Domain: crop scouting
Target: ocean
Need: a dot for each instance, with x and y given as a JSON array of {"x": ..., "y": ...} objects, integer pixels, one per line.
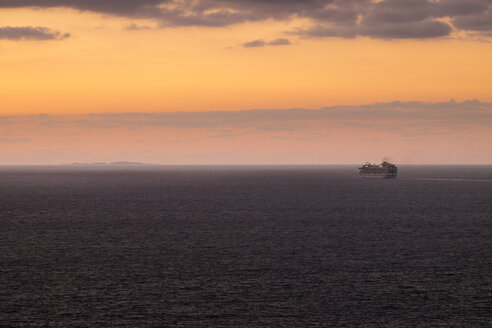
[{"x": 245, "y": 246}]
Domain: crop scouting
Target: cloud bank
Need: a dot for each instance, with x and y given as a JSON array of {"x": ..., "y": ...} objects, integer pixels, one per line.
[
  {"x": 30, "y": 33},
  {"x": 408, "y": 132},
  {"x": 444, "y": 114},
  {"x": 387, "y": 19}
]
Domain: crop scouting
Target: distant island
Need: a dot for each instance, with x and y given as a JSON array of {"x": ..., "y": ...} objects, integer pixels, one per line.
[
  {"x": 106, "y": 164},
  {"x": 126, "y": 163}
]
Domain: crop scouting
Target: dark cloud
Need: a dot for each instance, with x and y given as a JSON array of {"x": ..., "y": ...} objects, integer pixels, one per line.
[
  {"x": 388, "y": 19},
  {"x": 30, "y": 33},
  {"x": 409, "y": 30},
  {"x": 481, "y": 21},
  {"x": 116, "y": 7},
  {"x": 404, "y": 19},
  {"x": 462, "y": 7},
  {"x": 399, "y": 11}
]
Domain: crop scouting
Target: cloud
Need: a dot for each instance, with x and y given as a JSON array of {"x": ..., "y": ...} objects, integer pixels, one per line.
[
  {"x": 254, "y": 44},
  {"x": 13, "y": 140},
  {"x": 262, "y": 43},
  {"x": 279, "y": 42},
  {"x": 30, "y": 33},
  {"x": 135, "y": 27},
  {"x": 387, "y": 19}
]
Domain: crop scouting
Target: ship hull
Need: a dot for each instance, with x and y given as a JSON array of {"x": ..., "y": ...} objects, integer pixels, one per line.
[{"x": 377, "y": 176}]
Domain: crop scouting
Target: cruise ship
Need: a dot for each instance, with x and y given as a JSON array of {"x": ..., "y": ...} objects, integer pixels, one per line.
[{"x": 381, "y": 171}]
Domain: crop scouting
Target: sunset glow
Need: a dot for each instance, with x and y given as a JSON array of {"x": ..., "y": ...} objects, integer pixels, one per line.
[{"x": 70, "y": 59}]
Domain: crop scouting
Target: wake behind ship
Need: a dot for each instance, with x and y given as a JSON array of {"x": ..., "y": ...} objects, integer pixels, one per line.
[{"x": 381, "y": 171}]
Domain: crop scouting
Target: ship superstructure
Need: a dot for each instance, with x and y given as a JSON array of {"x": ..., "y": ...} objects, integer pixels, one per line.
[{"x": 381, "y": 171}]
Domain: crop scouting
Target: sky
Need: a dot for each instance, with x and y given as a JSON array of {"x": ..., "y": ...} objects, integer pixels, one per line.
[{"x": 246, "y": 81}]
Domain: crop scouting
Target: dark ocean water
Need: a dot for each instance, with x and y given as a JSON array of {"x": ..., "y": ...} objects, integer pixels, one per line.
[{"x": 245, "y": 247}]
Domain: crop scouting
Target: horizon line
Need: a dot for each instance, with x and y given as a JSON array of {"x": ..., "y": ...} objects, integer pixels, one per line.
[{"x": 103, "y": 164}]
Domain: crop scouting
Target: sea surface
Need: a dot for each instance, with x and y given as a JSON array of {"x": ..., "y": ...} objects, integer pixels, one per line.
[{"x": 245, "y": 246}]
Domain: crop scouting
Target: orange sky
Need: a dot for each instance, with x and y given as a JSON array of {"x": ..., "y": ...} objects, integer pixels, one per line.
[{"x": 103, "y": 67}]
